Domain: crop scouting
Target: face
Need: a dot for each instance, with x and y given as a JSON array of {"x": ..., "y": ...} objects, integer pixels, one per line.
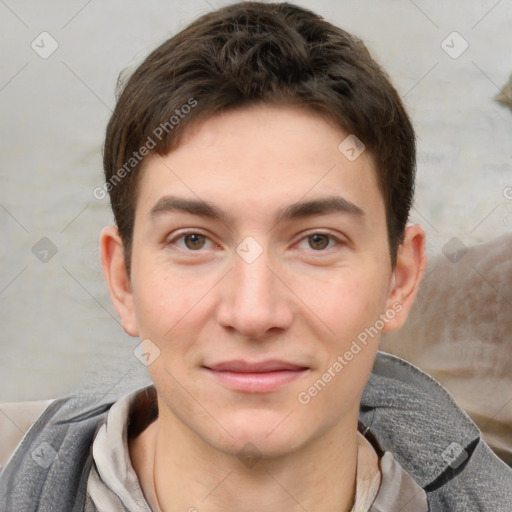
[{"x": 258, "y": 241}]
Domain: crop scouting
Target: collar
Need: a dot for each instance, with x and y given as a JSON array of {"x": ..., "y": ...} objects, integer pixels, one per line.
[
  {"x": 382, "y": 484},
  {"x": 416, "y": 419}
]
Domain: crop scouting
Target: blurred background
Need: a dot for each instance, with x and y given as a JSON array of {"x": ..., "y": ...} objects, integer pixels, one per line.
[{"x": 58, "y": 69}]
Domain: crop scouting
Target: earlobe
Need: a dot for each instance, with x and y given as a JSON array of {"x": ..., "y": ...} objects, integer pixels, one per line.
[
  {"x": 407, "y": 276},
  {"x": 117, "y": 279}
]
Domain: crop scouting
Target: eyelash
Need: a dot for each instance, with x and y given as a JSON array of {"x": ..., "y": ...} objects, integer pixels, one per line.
[{"x": 331, "y": 237}]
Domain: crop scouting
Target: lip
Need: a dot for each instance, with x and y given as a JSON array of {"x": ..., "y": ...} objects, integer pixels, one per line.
[
  {"x": 242, "y": 366},
  {"x": 256, "y": 377}
]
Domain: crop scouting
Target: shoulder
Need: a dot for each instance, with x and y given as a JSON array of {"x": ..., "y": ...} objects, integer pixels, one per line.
[
  {"x": 416, "y": 419},
  {"x": 54, "y": 455}
]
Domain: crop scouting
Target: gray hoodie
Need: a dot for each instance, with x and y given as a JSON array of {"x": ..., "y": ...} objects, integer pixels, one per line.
[{"x": 402, "y": 409}]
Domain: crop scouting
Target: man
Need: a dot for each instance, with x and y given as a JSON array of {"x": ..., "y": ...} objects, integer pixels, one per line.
[{"x": 261, "y": 169}]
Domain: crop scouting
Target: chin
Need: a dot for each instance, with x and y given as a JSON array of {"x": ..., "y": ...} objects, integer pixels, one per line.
[{"x": 267, "y": 433}]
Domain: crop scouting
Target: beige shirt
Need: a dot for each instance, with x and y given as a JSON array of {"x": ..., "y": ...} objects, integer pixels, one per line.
[{"x": 381, "y": 485}]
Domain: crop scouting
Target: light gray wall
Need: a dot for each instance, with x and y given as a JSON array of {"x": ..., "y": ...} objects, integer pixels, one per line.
[{"x": 58, "y": 328}]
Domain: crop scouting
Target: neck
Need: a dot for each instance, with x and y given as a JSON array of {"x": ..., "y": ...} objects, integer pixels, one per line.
[{"x": 179, "y": 472}]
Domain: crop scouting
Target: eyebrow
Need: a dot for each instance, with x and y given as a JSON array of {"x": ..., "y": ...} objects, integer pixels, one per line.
[
  {"x": 300, "y": 209},
  {"x": 322, "y": 206},
  {"x": 169, "y": 204}
]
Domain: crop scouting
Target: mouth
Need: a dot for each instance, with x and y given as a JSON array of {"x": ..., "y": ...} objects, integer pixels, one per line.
[{"x": 260, "y": 377}]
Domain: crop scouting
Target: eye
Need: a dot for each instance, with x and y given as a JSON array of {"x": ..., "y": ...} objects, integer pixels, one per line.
[
  {"x": 192, "y": 241},
  {"x": 319, "y": 241}
]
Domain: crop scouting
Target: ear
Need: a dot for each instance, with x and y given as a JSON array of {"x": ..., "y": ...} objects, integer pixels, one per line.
[
  {"x": 116, "y": 276},
  {"x": 407, "y": 275}
]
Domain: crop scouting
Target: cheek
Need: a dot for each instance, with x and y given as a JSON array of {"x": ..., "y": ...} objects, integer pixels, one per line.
[
  {"x": 344, "y": 301},
  {"x": 349, "y": 307},
  {"x": 161, "y": 299},
  {"x": 171, "y": 306}
]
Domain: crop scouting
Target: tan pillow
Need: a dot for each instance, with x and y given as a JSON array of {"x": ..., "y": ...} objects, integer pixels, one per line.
[
  {"x": 460, "y": 332},
  {"x": 15, "y": 420}
]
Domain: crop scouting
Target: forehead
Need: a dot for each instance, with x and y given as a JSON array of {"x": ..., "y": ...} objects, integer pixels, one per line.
[{"x": 261, "y": 158}]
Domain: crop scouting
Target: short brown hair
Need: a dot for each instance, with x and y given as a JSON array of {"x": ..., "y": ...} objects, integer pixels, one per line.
[{"x": 252, "y": 52}]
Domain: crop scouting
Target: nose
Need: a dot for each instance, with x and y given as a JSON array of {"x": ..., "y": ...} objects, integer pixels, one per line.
[{"x": 255, "y": 299}]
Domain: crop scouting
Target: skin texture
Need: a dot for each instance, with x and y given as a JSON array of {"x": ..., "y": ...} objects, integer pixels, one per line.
[{"x": 302, "y": 299}]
